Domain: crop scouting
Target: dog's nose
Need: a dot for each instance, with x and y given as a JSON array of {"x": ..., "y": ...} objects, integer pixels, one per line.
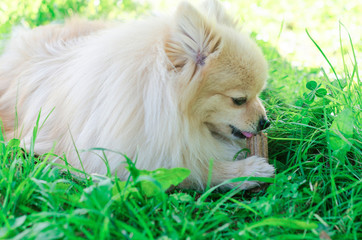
[{"x": 263, "y": 124}]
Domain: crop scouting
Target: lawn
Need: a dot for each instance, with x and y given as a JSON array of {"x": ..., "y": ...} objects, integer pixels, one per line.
[{"x": 315, "y": 143}]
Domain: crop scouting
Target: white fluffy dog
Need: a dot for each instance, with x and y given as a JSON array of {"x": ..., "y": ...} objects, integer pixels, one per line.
[{"x": 172, "y": 91}]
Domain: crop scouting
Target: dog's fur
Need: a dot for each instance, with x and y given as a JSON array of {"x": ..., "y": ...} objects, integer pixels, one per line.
[{"x": 158, "y": 90}]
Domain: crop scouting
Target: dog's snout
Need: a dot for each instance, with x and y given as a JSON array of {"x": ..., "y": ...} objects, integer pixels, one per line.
[{"x": 263, "y": 124}]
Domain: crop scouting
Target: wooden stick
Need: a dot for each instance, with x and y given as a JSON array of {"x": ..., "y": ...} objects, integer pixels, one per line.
[{"x": 258, "y": 145}]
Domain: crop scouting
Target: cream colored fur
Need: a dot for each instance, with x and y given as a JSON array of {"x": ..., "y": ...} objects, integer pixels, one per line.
[{"x": 158, "y": 90}]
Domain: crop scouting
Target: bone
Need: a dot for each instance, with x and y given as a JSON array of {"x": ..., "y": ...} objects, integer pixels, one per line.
[{"x": 258, "y": 145}]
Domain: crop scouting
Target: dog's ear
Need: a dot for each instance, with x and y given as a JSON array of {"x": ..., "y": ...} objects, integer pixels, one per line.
[
  {"x": 194, "y": 40},
  {"x": 215, "y": 9}
]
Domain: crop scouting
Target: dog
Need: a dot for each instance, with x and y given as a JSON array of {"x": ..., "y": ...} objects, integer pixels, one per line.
[{"x": 167, "y": 91}]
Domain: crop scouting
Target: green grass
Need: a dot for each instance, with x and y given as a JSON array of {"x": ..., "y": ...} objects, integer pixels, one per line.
[{"x": 315, "y": 143}]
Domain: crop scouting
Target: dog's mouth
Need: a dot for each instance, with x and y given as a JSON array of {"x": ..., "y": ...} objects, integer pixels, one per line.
[{"x": 240, "y": 134}]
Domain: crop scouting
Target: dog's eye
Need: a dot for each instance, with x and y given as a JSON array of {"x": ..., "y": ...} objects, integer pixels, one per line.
[{"x": 239, "y": 101}]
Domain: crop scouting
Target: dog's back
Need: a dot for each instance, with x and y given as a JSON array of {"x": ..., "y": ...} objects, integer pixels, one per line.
[
  {"x": 29, "y": 46},
  {"x": 78, "y": 74}
]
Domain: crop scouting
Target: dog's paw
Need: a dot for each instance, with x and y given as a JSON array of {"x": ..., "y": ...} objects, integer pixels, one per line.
[{"x": 256, "y": 167}]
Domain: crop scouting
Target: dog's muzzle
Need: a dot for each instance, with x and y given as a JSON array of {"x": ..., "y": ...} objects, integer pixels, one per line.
[
  {"x": 262, "y": 124},
  {"x": 238, "y": 133}
]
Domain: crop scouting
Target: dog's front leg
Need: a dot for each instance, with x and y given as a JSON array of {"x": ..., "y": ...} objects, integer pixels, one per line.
[{"x": 252, "y": 166}]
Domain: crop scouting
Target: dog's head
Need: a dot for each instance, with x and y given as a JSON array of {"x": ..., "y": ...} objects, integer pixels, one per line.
[{"x": 221, "y": 71}]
